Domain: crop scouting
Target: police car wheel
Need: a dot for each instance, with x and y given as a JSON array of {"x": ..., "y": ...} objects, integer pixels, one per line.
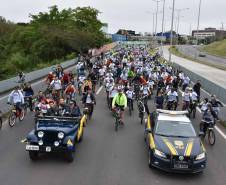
[{"x": 150, "y": 158}]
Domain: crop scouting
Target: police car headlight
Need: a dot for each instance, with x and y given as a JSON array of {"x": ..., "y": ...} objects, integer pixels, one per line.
[
  {"x": 40, "y": 143},
  {"x": 56, "y": 143},
  {"x": 60, "y": 135},
  {"x": 159, "y": 153},
  {"x": 40, "y": 134},
  {"x": 200, "y": 156}
]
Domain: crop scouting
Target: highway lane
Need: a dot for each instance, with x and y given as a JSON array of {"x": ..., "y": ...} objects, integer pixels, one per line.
[
  {"x": 212, "y": 74},
  {"x": 194, "y": 51},
  {"x": 103, "y": 158}
]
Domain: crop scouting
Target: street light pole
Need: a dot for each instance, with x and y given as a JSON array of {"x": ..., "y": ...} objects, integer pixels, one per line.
[
  {"x": 163, "y": 20},
  {"x": 171, "y": 32},
  {"x": 200, "y": 2},
  {"x": 156, "y": 18}
]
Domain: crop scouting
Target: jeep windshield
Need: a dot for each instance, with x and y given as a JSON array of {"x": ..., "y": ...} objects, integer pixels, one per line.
[
  {"x": 174, "y": 129},
  {"x": 56, "y": 123}
]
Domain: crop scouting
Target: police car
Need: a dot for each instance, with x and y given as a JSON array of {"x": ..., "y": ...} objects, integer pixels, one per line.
[{"x": 173, "y": 144}]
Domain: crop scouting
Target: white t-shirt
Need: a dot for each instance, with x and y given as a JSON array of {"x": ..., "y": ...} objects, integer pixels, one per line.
[
  {"x": 172, "y": 96},
  {"x": 130, "y": 94}
]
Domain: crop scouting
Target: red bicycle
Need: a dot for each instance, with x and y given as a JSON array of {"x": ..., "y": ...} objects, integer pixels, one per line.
[{"x": 14, "y": 114}]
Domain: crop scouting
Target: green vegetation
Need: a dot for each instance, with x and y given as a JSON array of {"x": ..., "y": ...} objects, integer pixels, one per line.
[
  {"x": 217, "y": 48},
  {"x": 49, "y": 38}
]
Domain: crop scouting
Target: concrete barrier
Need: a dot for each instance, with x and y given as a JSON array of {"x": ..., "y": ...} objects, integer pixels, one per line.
[{"x": 9, "y": 84}]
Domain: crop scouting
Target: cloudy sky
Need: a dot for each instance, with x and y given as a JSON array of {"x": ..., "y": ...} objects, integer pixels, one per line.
[{"x": 126, "y": 14}]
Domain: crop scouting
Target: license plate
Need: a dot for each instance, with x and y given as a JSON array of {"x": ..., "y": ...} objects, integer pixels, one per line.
[
  {"x": 48, "y": 149},
  {"x": 181, "y": 166},
  {"x": 32, "y": 147}
]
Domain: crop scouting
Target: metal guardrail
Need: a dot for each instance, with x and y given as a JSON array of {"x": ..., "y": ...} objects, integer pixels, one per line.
[
  {"x": 9, "y": 84},
  {"x": 209, "y": 86}
]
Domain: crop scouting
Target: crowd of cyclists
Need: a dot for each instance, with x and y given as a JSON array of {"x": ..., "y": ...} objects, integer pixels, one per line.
[{"x": 129, "y": 74}]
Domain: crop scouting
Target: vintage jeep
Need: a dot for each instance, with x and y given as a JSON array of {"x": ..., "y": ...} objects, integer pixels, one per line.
[{"x": 55, "y": 134}]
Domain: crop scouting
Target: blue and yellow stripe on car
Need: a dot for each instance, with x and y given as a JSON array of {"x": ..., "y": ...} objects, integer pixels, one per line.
[
  {"x": 170, "y": 146},
  {"x": 188, "y": 149},
  {"x": 80, "y": 129},
  {"x": 152, "y": 142}
]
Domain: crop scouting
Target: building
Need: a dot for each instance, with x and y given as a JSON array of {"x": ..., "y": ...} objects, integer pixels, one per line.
[
  {"x": 166, "y": 35},
  {"x": 209, "y": 32},
  {"x": 119, "y": 38},
  {"x": 127, "y": 32}
]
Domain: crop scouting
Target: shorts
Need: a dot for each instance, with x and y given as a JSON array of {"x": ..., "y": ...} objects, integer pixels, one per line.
[{"x": 120, "y": 106}]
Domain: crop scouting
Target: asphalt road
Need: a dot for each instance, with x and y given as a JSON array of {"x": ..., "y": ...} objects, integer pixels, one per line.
[
  {"x": 193, "y": 51},
  {"x": 103, "y": 158}
]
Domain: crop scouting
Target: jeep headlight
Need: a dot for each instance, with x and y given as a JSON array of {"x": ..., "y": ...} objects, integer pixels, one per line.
[
  {"x": 40, "y": 134},
  {"x": 200, "y": 156},
  {"x": 60, "y": 135},
  {"x": 159, "y": 153}
]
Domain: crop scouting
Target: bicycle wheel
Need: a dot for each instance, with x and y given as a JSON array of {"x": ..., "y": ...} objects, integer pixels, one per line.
[
  {"x": 141, "y": 118},
  {"x": 22, "y": 114},
  {"x": 12, "y": 119},
  {"x": 211, "y": 137},
  {"x": 116, "y": 125},
  {"x": 130, "y": 109}
]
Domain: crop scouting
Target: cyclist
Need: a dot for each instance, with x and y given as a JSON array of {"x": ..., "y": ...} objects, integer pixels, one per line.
[
  {"x": 120, "y": 101},
  {"x": 87, "y": 85},
  {"x": 216, "y": 105},
  {"x": 172, "y": 99},
  {"x": 89, "y": 100},
  {"x": 130, "y": 96},
  {"x": 186, "y": 98},
  {"x": 159, "y": 100},
  {"x": 70, "y": 91},
  {"x": 21, "y": 76},
  {"x": 16, "y": 98},
  {"x": 197, "y": 88},
  {"x": 28, "y": 94},
  {"x": 56, "y": 85}
]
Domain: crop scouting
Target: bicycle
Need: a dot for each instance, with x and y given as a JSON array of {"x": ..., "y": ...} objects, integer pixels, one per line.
[
  {"x": 130, "y": 105},
  {"x": 28, "y": 104},
  {"x": 14, "y": 114},
  {"x": 208, "y": 128},
  {"x": 117, "y": 115},
  {"x": 192, "y": 109},
  {"x": 141, "y": 108}
]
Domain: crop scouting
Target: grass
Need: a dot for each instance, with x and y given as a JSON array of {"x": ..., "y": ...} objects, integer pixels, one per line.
[
  {"x": 216, "y": 48},
  {"x": 176, "y": 52}
]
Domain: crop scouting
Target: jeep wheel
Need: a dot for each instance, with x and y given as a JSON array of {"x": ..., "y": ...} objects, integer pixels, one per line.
[
  {"x": 69, "y": 156},
  {"x": 33, "y": 155}
]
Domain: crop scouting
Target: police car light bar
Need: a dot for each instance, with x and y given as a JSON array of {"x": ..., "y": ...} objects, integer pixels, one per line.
[{"x": 172, "y": 112}]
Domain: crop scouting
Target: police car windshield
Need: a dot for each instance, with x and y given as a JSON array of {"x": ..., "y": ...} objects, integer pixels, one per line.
[{"x": 174, "y": 129}]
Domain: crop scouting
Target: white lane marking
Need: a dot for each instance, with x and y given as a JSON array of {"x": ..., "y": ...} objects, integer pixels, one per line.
[
  {"x": 220, "y": 132},
  {"x": 216, "y": 127},
  {"x": 99, "y": 90},
  {"x": 2, "y": 98}
]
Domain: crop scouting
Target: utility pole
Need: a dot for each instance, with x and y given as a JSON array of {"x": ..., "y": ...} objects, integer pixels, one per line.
[
  {"x": 200, "y": 2},
  {"x": 171, "y": 32},
  {"x": 163, "y": 20},
  {"x": 156, "y": 18}
]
